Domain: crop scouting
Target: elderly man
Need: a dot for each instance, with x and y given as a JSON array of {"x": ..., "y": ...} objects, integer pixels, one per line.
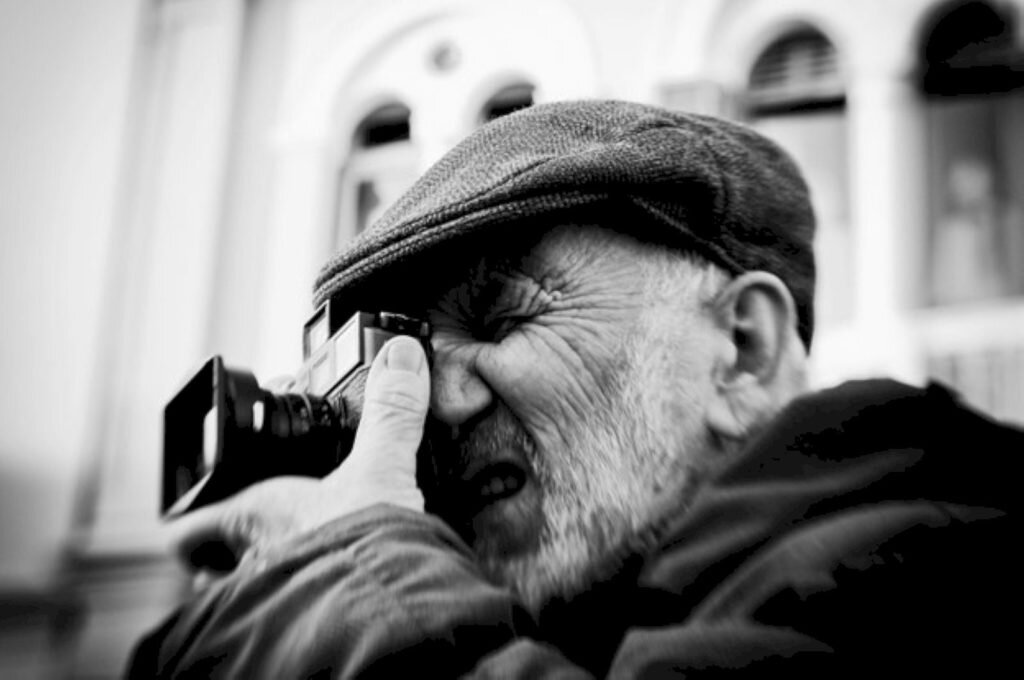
[{"x": 635, "y": 481}]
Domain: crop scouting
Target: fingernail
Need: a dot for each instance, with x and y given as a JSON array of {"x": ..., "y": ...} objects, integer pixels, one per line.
[{"x": 404, "y": 354}]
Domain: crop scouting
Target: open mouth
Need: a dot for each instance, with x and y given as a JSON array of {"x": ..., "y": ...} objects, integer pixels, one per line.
[{"x": 494, "y": 483}]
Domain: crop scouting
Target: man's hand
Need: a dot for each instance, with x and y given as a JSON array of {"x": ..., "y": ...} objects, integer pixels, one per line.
[{"x": 380, "y": 469}]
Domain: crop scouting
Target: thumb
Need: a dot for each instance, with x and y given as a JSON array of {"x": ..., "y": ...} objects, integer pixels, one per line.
[{"x": 395, "y": 406}]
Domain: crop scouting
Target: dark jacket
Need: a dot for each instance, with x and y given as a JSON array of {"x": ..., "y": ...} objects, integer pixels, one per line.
[{"x": 868, "y": 530}]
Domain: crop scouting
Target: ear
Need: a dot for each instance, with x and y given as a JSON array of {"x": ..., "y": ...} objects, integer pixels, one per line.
[{"x": 762, "y": 359}]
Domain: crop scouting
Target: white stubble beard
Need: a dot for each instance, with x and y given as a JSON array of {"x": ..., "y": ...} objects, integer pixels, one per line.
[{"x": 610, "y": 481}]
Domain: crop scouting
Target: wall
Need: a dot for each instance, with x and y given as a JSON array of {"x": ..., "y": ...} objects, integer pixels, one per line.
[{"x": 65, "y": 69}]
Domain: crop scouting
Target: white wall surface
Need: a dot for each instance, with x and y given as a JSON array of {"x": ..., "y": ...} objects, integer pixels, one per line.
[{"x": 65, "y": 70}]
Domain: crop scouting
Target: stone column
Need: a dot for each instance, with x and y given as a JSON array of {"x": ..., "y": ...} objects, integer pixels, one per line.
[
  {"x": 889, "y": 194},
  {"x": 166, "y": 248}
]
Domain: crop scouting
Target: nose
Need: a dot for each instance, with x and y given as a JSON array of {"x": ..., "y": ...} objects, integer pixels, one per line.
[{"x": 458, "y": 392}]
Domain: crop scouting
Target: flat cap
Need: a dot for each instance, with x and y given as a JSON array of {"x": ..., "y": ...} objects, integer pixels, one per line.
[{"x": 711, "y": 186}]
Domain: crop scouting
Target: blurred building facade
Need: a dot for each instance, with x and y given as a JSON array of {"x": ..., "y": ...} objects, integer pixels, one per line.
[{"x": 249, "y": 139}]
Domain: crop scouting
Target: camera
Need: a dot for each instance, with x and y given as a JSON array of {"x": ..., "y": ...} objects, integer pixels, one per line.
[{"x": 224, "y": 432}]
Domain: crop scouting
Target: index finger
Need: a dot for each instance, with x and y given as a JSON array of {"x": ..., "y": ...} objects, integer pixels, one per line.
[{"x": 213, "y": 537}]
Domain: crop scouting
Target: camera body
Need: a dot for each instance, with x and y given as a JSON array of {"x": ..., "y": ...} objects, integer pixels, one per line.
[{"x": 224, "y": 432}]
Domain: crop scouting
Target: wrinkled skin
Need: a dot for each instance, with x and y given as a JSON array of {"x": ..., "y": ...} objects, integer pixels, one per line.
[
  {"x": 586, "y": 385},
  {"x": 577, "y": 380}
]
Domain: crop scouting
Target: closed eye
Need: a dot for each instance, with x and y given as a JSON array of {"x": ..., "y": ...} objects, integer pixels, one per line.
[
  {"x": 493, "y": 305},
  {"x": 499, "y": 327}
]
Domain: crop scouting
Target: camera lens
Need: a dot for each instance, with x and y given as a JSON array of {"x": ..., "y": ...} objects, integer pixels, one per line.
[{"x": 301, "y": 435}]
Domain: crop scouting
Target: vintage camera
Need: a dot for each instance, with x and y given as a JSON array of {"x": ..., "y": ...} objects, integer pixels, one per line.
[{"x": 223, "y": 432}]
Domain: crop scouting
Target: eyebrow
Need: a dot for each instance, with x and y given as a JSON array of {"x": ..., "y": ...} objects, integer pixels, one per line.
[{"x": 522, "y": 291}]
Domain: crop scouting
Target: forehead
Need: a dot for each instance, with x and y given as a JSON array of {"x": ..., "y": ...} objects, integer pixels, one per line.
[{"x": 559, "y": 256}]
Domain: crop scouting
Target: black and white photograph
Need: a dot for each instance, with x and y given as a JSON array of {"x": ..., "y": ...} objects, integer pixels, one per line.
[{"x": 510, "y": 338}]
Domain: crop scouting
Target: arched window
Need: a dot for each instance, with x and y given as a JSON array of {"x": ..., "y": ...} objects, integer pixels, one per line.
[
  {"x": 972, "y": 79},
  {"x": 386, "y": 125},
  {"x": 797, "y": 72},
  {"x": 796, "y": 95},
  {"x": 380, "y": 166},
  {"x": 971, "y": 49},
  {"x": 506, "y": 101}
]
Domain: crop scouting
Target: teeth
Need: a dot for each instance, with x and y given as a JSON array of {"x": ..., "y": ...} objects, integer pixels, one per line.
[
  {"x": 496, "y": 486},
  {"x": 499, "y": 485}
]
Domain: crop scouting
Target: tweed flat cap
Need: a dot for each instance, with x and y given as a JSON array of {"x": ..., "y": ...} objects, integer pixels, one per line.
[{"x": 714, "y": 187}]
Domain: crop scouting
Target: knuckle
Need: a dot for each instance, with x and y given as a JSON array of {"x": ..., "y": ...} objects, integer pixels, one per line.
[
  {"x": 388, "y": 436},
  {"x": 401, "y": 400},
  {"x": 244, "y": 527}
]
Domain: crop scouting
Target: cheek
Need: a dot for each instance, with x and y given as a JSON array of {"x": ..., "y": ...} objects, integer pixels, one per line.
[
  {"x": 678, "y": 388},
  {"x": 544, "y": 383}
]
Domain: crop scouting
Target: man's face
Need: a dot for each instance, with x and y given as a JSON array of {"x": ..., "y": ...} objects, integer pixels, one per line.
[{"x": 575, "y": 390}]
